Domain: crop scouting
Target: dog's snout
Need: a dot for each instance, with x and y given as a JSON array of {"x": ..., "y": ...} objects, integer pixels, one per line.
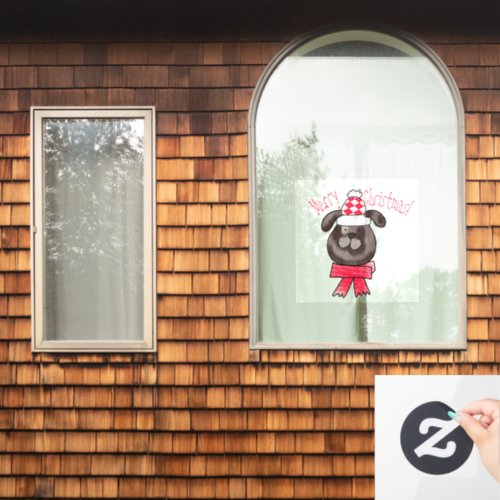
[{"x": 352, "y": 235}]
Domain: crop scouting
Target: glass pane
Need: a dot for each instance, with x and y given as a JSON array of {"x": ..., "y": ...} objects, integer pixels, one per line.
[
  {"x": 360, "y": 111},
  {"x": 93, "y": 230}
]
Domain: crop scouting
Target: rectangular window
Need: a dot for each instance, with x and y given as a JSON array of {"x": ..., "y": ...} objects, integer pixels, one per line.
[{"x": 93, "y": 272}]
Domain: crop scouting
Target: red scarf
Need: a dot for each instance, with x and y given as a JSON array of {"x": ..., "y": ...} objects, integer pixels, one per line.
[{"x": 358, "y": 274}]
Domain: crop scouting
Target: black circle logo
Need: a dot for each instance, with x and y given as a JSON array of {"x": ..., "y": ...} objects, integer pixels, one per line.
[{"x": 432, "y": 442}]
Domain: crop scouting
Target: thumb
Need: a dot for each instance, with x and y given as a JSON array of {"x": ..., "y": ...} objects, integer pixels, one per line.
[{"x": 471, "y": 426}]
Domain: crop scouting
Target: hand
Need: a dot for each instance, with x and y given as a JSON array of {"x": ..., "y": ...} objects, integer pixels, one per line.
[{"x": 485, "y": 432}]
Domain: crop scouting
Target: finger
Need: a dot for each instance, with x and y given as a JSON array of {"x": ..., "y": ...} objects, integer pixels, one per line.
[
  {"x": 471, "y": 426},
  {"x": 490, "y": 407},
  {"x": 485, "y": 421}
]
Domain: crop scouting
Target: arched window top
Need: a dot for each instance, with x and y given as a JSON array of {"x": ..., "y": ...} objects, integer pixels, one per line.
[
  {"x": 377, "y": 112},
  {"x": 354, "y": 78}
]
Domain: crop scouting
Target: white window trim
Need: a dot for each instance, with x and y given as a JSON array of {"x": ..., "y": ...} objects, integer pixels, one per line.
[{"x": 37, "y": 237}]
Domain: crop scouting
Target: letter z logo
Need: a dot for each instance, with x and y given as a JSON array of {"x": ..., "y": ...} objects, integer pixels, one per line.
[{"x": 432, "y": 442}]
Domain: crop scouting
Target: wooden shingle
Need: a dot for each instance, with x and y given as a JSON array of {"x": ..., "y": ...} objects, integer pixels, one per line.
[{"x": 55, "y": 76}]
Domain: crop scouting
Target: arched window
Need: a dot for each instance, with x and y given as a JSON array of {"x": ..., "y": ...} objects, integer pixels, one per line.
[{"x": 357, "y": 196}]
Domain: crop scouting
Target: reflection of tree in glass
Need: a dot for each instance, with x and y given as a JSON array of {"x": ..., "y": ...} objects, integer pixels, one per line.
[
  {"x": 89, "y": 167},
  {"x": 277, "y": 177},
  {"x": 93, "y": 177},
  {"x": 277, "y": 172}
]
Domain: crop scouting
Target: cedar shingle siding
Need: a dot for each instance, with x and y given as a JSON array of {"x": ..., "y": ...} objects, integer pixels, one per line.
[{"x": 201, "y": 419}]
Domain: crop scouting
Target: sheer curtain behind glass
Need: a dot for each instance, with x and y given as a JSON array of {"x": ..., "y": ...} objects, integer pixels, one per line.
[{"x": 93, "y": 231}]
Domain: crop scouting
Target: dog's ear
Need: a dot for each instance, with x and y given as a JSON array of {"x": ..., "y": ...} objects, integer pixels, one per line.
[
  {"x": 329, "y": 220},
  {"x": 376, "y": 217}
]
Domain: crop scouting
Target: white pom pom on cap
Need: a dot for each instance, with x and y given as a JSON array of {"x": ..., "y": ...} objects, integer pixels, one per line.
[{"x": 354, "y": 193}]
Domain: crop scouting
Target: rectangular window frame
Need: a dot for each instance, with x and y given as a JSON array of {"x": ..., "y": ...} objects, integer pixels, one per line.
[{"x": 39, "y": 344}]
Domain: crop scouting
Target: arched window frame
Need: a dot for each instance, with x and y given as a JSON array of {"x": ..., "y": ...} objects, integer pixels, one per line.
[{"x": 439, "y": 64}]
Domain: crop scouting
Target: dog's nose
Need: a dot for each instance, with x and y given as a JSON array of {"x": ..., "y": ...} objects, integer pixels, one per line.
[{"x": 351, "y": 235}]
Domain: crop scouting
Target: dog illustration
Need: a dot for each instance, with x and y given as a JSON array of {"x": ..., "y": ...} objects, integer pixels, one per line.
[{"x": 352, "y": 244}]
